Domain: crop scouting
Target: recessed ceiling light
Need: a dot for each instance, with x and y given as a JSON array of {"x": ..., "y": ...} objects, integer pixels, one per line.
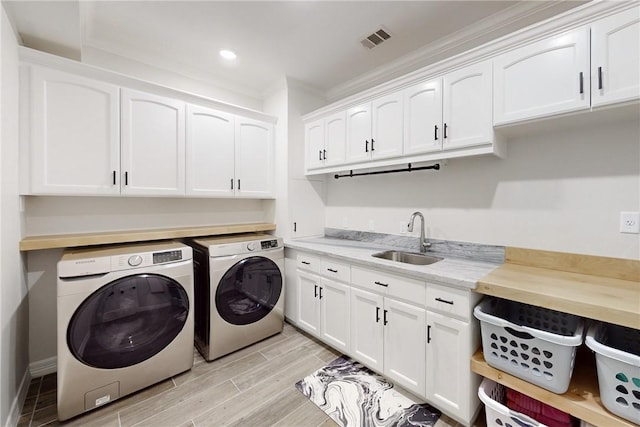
[{"x": 227, "y": 54}]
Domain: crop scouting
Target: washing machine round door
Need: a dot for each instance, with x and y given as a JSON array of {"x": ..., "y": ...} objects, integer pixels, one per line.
[
  {"x": 249, "y": 290},
  {"x": 128, "y": 321}
]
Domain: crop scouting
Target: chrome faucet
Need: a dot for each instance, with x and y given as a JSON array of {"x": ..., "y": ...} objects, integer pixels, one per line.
[{"x": 423, "y": 242}]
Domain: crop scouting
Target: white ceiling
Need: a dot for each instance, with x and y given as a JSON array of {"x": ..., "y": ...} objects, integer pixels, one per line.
[{"x": 314, "y": 42}]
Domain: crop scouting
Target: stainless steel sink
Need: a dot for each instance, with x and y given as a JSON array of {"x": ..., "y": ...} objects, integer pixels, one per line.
[{"x": 407, "y": 257}]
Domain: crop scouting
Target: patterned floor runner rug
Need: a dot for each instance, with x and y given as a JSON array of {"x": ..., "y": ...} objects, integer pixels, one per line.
[{"x": 355, "y": 396}]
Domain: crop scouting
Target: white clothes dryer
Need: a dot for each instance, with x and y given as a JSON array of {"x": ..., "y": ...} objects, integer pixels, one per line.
[
  {"x": 239, "y": 291},
  {"x": 125, "y": 321}
]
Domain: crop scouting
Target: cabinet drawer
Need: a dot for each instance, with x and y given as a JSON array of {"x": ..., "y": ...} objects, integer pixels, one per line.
[
  {"x": 392, "y": 285},
  {"x": 335, "y": 270},
  {"x": 453, "y": 301},
  {"x": 308, "y": 262}
]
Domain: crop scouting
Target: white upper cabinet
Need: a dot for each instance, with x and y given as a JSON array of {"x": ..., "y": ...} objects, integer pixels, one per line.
[
  {"x": 467, "y": 107},
  {"x": 359, "y": 133},
  {"x": 335, "y": 136},
  {"x": 314, "y": 144},
  {"x": 74, "y": 135},
  {"x": 153, "y": 144},
  {"x": 210, "y": 152},
  {"x": 542, "y": 79},
  {"x": 253, "y": 158},
  {"x": 375, "y": 130},
  {"x": 615, "y": 58},
  {"x": 423, "y": 117},
  {"x": 387, "y": 126},
  {"x": 326, "y": 141}
]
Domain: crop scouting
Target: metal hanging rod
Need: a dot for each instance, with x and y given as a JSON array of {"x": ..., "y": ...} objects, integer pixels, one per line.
[{"x": 407, "y": 169}]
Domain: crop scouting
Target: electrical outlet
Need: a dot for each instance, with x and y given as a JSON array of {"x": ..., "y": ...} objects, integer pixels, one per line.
[
  {"x": 630, "y": 222},
  {"x": 345, "y": 222},
  {"x": 372, "y": 225},
  {"x": 403, "y": 227}
]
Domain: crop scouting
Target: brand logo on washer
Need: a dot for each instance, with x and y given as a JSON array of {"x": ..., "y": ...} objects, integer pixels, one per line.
[{"x": 86, "y": 261}]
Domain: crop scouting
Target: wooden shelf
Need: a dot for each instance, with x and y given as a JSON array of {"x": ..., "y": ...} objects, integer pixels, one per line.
[
  {"x": 582, "y": 400},
  {"x": 32, "y": 243}
]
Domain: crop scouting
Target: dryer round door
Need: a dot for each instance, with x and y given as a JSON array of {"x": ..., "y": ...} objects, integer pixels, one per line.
[
  {"x": 128, "y": 321},
  {"x": 249, "y": 290}
]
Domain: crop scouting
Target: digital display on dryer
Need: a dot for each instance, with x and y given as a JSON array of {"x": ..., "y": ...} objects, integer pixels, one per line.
[
  {"x": 169, "y": 256},
  {"x": 268, "y": 244}
]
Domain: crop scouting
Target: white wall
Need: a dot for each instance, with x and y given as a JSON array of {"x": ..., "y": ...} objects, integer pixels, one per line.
[
  {"x": 14, "y": 312},
  {"x": 276, "y": 104},
  {"x": 559, "y": 190}
]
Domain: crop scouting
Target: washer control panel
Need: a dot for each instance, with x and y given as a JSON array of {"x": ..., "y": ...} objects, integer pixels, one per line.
[
  {"x": 169, "y": 256},
  {"x": 269, "y": 244}
]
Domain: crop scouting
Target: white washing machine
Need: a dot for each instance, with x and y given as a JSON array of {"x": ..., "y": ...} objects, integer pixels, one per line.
[
  {"x": 239, "y": 291},
  {"x": 125, "y": 321}
]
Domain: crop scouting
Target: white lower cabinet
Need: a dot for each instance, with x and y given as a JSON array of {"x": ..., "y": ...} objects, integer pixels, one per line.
[
  {"x": 404, "y": 348},
  {"x": 388, "y": 336},
  {"x": 308, "y": 303},
  {"x": 366, "y": 328},
  {"x": 334, "y": 314},
  {"x": 323, "y": 304},
  {"x": 447, "y": 383},
  {"x": 419, "y": 335}
]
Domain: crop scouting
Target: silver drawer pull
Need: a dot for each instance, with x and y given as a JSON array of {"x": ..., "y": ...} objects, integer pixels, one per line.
[
  {"x": 305, "y": 262},
  {"x": 332, "y": 270},
  {"x": 444, "y": 301},
  {"x": 382, "y": 284}
]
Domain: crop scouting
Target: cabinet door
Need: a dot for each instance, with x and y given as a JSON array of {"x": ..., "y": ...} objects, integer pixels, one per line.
[
  {"x": 423, "y": 117},
  {"x": 306, "y": 207},
  {"x": 467, "y": 107},
  {"x": 254, "y": 158},
  {"x": 335, "y": 314},
  {"x": 544, "y": 78},
  {"x": 335, "y": 139},
  {"x": 448, "y": 372},
  {"x": 314, "y": 140},
  {"x": 75, "y": 140},
  {"x": 615, "y": 58},
  {"x": 359, "y": 133},
  {"x": 366, "y": 328},
  {"x": 308, "y": 302},
  {"x": 153, "y": 144},
  {"x": 404, "y": 345},
  {"x": 210, "y": 152},
  {"x": 387, "y": 126}
]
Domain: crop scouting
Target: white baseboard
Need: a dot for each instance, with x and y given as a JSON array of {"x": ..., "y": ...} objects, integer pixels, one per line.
[
  {"x": 43, "y": 367},
  {"x": 18, "y": 402}
]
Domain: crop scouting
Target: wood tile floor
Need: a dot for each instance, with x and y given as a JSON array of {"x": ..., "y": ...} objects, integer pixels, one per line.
[{"x": 251, "y": 387}]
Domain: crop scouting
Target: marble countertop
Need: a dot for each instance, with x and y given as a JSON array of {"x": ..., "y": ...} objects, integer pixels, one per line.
[{"x": 459, "y": 272}]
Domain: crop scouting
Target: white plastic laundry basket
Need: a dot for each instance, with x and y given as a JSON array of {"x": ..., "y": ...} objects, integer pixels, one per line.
[
  {"x": 532, "y": 343},
  {"x": 493, "y": 395},
  {"x": 618, "y": 362}
]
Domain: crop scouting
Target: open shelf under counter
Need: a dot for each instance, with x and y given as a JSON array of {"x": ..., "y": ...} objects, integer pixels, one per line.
[
  {"x": 53, "y": 241},
  {"x": 582, "y": 400},
  {"x": 593, "y": 287}
]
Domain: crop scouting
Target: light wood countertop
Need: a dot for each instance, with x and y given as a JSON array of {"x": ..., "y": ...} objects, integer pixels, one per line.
[
  {"x": 32, "y": 243},
  {"x": 599, "y": 288}
]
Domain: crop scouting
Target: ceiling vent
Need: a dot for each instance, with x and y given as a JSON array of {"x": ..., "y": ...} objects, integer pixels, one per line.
[{"x": 376, "y": 38}]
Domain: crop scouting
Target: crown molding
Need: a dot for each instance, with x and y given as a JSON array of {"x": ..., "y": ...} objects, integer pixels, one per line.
[{"x": 573, "y": 18}]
